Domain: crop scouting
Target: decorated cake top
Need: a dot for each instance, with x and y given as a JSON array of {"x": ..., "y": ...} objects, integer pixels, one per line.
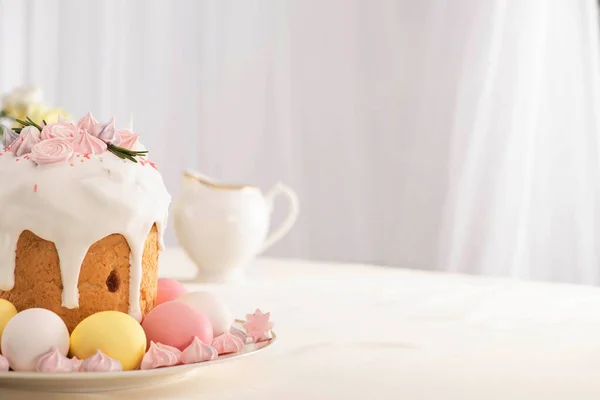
[
  {"x": 58, "y": 143},
  {"x": 74, "y": 184}
]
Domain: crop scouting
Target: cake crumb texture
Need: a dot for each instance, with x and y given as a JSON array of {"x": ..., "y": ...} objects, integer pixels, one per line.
[{"x": 103, "y": 280}]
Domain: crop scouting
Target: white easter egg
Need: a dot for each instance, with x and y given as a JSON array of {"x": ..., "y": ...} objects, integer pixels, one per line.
[
  {"x": 213, "y": 307},
  {"x": 30, "y": 334}
]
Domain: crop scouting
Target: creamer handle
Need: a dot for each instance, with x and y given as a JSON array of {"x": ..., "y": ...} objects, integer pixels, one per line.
[{"x": 288, "y": 222}]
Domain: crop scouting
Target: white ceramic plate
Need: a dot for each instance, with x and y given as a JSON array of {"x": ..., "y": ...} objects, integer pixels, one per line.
[{"x": 107, "y": 381}]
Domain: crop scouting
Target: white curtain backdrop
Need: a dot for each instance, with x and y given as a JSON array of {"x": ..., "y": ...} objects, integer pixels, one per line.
[{"x": 454, "y": 135}]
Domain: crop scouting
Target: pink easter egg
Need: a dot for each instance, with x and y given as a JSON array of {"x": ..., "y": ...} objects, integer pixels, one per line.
[
  {"x": 175, "y": 324},
  {"x": 169, "y": 289}
]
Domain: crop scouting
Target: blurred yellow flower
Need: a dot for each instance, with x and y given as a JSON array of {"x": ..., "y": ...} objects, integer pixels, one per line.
[{"x": 27, "y": 102}]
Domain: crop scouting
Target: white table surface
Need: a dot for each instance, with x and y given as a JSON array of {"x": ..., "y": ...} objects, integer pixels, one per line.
[{"x": 365, "y": 332}]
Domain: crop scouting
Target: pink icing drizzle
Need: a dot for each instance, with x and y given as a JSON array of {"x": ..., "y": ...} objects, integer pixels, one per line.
[
  {"x": 29, "y": 137},
  {"x": 159, "y": 356},
  {"x": 198, "y": 351},
  {"x": 100, "y": 362},
  {"x": 85, "y": 143},
  {"x": 227, "y": 343},
  {"x": 53, "y": 361},
  {"x": 51, "y": 151},
  {"x": 3, "y": 364}
]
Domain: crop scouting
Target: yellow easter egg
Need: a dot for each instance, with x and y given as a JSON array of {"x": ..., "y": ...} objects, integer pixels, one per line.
[
  {"x": 7, "y": 311},
  {"x": 116, "y": 334}
]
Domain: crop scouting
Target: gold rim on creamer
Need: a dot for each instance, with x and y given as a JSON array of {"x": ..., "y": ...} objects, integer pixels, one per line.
[{"x": 215, "y": 185}]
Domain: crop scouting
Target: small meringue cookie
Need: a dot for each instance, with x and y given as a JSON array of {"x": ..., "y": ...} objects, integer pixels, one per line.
[
  {"x": 3, "y": 364},
  {"x": 87, "y": 122},
  {"x": 198, "y": 351},
  {"x": 53, "y": 361},
  {"x": 129, "y": 140},
  {"x": 85, "y": 143},
  {"x": 175, "y": 350},
  {"x": 100, "y": 362},
  {"x": 9, "y": 137},
  {"x": 159, "y": 356},
  {"x": 107, "y": 132},
  {"x": 76, "y": 364},
  {"x": 227, "y": 343},
  {"x": 239, "y": 333},
  {"x": 29, "y": 137}
]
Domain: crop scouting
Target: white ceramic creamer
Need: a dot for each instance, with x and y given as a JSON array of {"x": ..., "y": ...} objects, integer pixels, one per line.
[{"x": 223, "y": 227}]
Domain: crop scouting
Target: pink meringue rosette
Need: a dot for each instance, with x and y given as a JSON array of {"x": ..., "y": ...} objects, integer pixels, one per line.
[
  {"x": 227, "y": 343},
  {"x": 198, "y": 351},
  {"x": 100, "y": 362},
  {"x": 85, "y": 143},
  {"x": 52, "y": 151},
  {"x": 29, "y": 137},
  {"x": 159, "y": 355},
  {"x": 54, "y": 361},
  {"x": 4, "y": 367},
  {"x": 63, "y": 129}
]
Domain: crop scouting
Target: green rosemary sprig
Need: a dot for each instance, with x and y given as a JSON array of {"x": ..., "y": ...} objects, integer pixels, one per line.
[
  {"x": 28, "y": 122},
  {"x": 124, "y": 153}
]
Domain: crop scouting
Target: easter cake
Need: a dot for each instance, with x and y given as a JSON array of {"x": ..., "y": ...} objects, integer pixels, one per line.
[{"x": 83, "y": 215}]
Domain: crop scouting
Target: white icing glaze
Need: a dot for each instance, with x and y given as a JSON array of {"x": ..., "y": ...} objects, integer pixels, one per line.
[{"x": 75, "y": 204}]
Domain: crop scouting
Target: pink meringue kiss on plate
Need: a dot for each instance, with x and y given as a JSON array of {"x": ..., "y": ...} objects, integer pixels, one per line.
[
  {"x": 258, "y": 326},
  {"x": 160, "y": 356},
  {"x": 227, "y": 343},
  {"x": 239, "y": 333},
  {"x": 3, "y": 364},
  {"x": 76, "y": 364},
  {"x": 52, "y": 151},
  {"x": 54, "y": 361},
  {"x": 198, "y": 351},
  {"x": 100, "y": 362}
]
